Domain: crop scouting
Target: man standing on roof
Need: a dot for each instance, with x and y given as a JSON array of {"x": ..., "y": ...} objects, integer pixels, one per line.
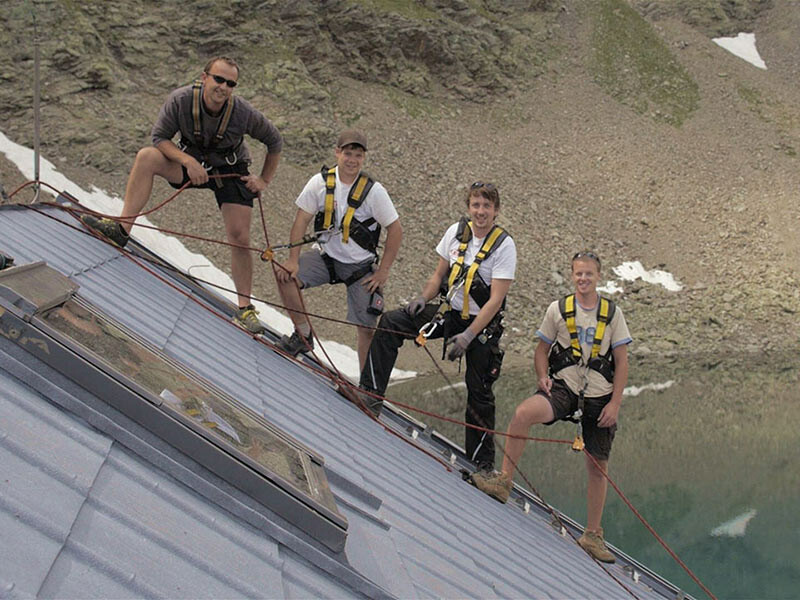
[
  {"x": 348, "y": 210},
  {"x": 581, "y": 364},
  {"x": 477, "y": 263},
  {"x": 212, "y": 123}
]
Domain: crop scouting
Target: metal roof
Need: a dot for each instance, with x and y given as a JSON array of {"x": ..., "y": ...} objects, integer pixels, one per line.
[{"x": 96, "y": 507}]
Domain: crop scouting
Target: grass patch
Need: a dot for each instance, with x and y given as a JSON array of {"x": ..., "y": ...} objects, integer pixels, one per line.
[
  {"x": 636, "y": 67},
  {"x": 414, "y": 106},
  {"x": 750, "y": 95}
]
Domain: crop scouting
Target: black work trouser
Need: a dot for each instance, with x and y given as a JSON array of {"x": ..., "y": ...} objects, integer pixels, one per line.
[{"x": 483, "y": 368}]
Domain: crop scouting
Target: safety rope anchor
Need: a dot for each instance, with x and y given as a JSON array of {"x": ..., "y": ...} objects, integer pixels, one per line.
[
  {"x": 577, "y": 443},
  {"x": 268, "y": 254}
]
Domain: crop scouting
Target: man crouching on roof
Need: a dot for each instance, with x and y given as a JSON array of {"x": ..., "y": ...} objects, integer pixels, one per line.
[
  {"x": 581, "y": 366},
  {"x": 347, "y": 209},
  {"x": 477, "y": 262},
  {"x": 212, "y": 123}
]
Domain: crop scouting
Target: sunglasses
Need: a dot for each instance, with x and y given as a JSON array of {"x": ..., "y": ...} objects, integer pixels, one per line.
[
  {"x": 587, "y": 254},
  {"x": 220, "y": 80},
  {"x": 480, "y": 184}
]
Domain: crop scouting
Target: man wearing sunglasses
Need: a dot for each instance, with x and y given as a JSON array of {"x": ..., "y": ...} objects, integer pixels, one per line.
[
  {"x": 212, "y": 154},
  {"x": 581, "y": 363},
  {"x": 477, "y": 263}
]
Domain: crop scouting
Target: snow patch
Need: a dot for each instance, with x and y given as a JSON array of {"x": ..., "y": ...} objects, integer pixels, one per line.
[
  {"x": 735, "y": 527},
  {"x": 743, "y": 46},
  {"x": 610, "y": 287},
  {"x": 633, "y": 390},
  {"x": 631, "y": 271}
]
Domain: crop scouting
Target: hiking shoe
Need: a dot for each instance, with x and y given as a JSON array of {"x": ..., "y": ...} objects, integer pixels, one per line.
[
  {"x": 296, "y": 343},
  {"x": 247, "y": 317},
  {"x": 109, "y": 229},
  {"x": 494, "y": 483},
  {"x": 594, "y": 544}
]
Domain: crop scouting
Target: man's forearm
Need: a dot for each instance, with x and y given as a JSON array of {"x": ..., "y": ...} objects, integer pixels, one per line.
[
  {"x": 270, "y": 166},
  {"x": 394, "y": 237},
  {"x": 172, "y": 152}
]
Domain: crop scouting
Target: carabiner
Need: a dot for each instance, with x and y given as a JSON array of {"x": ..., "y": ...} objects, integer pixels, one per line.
[{"x": 426, "y": 331}]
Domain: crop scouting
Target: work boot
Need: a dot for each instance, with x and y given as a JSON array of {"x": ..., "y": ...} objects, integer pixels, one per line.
[
  {"x": 296, "y": 343},
  {"x": 371, "y": 403},
  {"x": 5, "y": 261},
  {"x": 109, "y": 229},
  {"x": 595, "y": 545},
  {"x": 494, "y": 483},
  {"x": 247, "y": 317}
]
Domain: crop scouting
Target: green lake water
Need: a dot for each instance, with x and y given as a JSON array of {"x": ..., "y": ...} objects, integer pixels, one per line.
[{"x": 712, "y": 461}]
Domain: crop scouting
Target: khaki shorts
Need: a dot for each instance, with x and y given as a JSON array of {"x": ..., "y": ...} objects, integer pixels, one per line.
[
  {"x": 564, "y": 402},
  {"x": 314, "y": 272}
]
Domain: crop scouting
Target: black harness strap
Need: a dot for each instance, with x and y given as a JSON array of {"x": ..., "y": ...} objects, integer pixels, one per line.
[
  {"x": 355, "y": 276},
  {"x": 197, "y": 131}
]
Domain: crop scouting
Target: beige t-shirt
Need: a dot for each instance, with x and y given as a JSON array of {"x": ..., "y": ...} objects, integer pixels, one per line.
[{"x": 554, "y": 329}]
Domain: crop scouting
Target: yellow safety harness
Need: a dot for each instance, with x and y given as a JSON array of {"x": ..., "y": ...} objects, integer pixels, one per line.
[
  {"x": 563, "y": 357},
  {"x": 351, "y": 227},
  {"x": 603, "y": 311},
  {"x": 494, "y": 238}
]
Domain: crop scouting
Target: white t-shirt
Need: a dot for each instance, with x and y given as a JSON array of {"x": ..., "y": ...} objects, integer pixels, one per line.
[
  {"x": 501, "y": 264},
  {"x": 554, "y": 329},
  {"x": 377, "y": 205}
]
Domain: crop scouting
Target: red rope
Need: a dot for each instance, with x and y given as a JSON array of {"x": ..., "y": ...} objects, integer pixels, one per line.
[{"x": 650, "y": 528}]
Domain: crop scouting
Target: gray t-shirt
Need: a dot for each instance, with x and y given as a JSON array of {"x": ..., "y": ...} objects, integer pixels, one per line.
[{"x": 176, "y": 116}]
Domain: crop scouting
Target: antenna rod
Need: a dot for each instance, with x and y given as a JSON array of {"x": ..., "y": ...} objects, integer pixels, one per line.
[{"x": 36, "y": 95}]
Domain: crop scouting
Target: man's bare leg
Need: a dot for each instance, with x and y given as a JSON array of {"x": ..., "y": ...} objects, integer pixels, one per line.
[{"x": 149, "y": 162}]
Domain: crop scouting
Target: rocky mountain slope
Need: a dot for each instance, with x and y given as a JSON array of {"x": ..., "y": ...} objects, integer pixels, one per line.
[{"x": 611, "y": 125}]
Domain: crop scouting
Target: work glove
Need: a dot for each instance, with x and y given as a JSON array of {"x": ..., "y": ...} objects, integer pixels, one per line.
[
  {"x": 458, "y": 344},
  {"x": 416, "y": 306}
]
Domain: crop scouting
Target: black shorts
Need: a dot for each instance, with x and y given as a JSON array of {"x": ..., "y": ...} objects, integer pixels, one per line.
[
  {"x": 227, "y": 190},
  {"x": 564, "y": 402}
]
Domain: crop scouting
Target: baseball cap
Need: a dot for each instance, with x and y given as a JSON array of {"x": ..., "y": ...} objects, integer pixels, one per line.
[{"x": 352, "y": 136}]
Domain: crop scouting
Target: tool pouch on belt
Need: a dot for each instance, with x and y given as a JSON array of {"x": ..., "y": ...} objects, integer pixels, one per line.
[{"x": 495, "y": 363}]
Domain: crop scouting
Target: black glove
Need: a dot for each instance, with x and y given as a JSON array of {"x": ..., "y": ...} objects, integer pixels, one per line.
[
  {"x": 459, "y": 343},
  {"x": 416, "y": 306}
]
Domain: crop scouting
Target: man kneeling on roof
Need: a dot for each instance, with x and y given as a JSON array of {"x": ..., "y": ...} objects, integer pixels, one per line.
[
  {"x": 581, "y": 364},
  {"x": 347, "y": 209},
  {"x": 477, "y": 262}
]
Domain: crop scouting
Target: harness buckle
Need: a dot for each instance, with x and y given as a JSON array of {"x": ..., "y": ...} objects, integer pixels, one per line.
[{"x": 235, "y": 158}]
